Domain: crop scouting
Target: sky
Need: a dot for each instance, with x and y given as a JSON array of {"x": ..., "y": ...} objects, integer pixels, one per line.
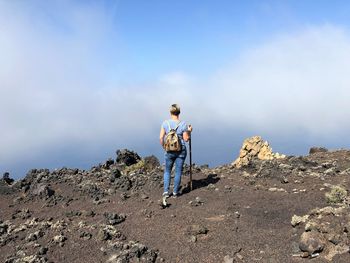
[{"x": 81, "y": 79}]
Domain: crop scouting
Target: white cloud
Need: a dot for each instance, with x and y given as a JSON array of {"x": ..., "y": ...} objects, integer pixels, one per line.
[
  {"x": 55, "y": 86},
  {"x": 297, "y": 81}
]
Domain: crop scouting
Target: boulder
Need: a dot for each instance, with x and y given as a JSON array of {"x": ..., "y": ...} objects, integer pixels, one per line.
[
  {"x": 127, "y": 157},
  {"x": 7, "y": 179},
  {"x": 317, "y": 150},
  {"x": 108, "y": 163},
  {"x": 255, "y": 147},
  {"x": 312, "y": 242}
]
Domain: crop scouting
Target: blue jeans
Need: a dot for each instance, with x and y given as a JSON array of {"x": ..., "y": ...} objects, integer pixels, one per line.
[{"x": 179, "y": 159}]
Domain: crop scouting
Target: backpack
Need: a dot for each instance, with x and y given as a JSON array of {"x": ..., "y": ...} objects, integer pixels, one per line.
[{"x": 172, "y": 140}]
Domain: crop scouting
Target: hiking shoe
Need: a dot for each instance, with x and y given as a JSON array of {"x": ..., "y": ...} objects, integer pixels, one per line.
[
  {"x": 175, "y": 195},
  {"x": 165, "y": 195}
]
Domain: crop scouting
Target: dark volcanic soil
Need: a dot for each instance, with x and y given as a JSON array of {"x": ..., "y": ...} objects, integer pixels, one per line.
[{"x": 232, "y": 215}]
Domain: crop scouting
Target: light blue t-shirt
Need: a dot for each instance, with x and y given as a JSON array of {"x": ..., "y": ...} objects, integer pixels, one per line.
[{"x": 180, "y": 130}]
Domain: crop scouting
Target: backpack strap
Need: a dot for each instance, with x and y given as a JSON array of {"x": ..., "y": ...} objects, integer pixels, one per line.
[
  {"x": 177, "y": 126},
  {"x": 168, "y": 125}
]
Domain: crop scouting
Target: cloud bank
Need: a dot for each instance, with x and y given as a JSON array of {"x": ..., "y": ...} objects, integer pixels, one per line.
[{"x": 59, "y": 91}]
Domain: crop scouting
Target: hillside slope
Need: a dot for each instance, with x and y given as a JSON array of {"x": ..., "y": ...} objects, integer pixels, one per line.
[{"x": 113, "y": 213}]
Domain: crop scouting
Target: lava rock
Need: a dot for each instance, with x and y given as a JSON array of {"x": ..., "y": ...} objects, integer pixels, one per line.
[
  {"x": 3, "y": 228},
  {"x": 34, "y": 236},
  {"x": 108, "y": 163},
  {"x": 133, "y": 252},
  {"x": 123, "y": 183},
  {"x": 151, "y": 163},
  {"x": 312, "y": 242},
  {"x": 85, "y": 235},
  {"x": 59, "y": 239},
  {"x": 127, "y": 157},
  {"x": 195, "y": 230},
  {"x": 109, "y": 232},
  {"x": 255, "y": 147},
  {"x": 317, "y": 150},
  {"x": 5, "y": 188},
  {"x": 43, "y": 251},
  {"x": 114, "y": 218},
  {"x": 43, "y": 191},
  {"x": 7, "y": 179},
  {"x": 114, "y": 175}
]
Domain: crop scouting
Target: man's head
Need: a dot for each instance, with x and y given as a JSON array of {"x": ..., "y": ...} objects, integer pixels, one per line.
[{"x": 175, "y": 110}]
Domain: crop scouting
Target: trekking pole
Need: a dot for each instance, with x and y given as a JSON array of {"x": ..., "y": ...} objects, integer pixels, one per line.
[{"x": 190, "y": 144}]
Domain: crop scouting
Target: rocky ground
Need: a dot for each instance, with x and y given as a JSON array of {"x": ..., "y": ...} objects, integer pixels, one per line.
[{"x": 291, "y": 209}]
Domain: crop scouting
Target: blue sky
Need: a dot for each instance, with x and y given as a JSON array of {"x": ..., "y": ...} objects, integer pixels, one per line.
[{"x": 80, "y": 79}]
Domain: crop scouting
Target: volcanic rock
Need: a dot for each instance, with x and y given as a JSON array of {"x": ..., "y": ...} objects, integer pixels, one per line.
[
  {"x": 195, "y": 230},
  {"x": 114, "y": 218},
  {"x": 151, "y": 163},
  {"x": 127, "y": 157},
  {"x": 311, "y": 242},
  {"x": 317, "y": 150},
  {"x": 7, "y": 179},
  {"x": 296, "y": 220},
  {"x": 43, "y": 191},
  {"x": 255, "y": 147},
  {"x": 132, "y": 252},
  {"x": 115, "y": 173},
  {"x": 123, "y": 183},
  {"x": 3, "y": 228},
  {"x": 235, "y": 214}
]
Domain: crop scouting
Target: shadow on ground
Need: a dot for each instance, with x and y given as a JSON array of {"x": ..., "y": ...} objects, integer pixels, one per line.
[{"x": 200, "y": 183}]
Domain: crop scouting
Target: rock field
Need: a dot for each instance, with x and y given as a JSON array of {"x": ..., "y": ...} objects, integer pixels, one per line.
[{"x": 264, "y": 207}]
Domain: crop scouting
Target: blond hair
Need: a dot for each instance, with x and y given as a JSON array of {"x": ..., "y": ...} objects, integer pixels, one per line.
[{"x": 175, "y": 109}]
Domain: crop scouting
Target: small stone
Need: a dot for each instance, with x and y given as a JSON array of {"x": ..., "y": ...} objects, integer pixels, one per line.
[
  {"x": 85, "y": 235},
  {"x": 228, "y": 259},
  {"x": 43, "y": 251},
  {"x": 285, "y": 180},
  {"x": 211, "y": 186},
  {"x": 59, "y": 238},
  {"x": 124, "y": 196},
  {"x": 103, "y": 235},
  {"x": 228, "y": 188},
  {"x": 144, "y": 197},
  {"x": 193, "y": 239},
  {"x": 197, "y": 230},
  {"x": 275, "y": 189}
]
